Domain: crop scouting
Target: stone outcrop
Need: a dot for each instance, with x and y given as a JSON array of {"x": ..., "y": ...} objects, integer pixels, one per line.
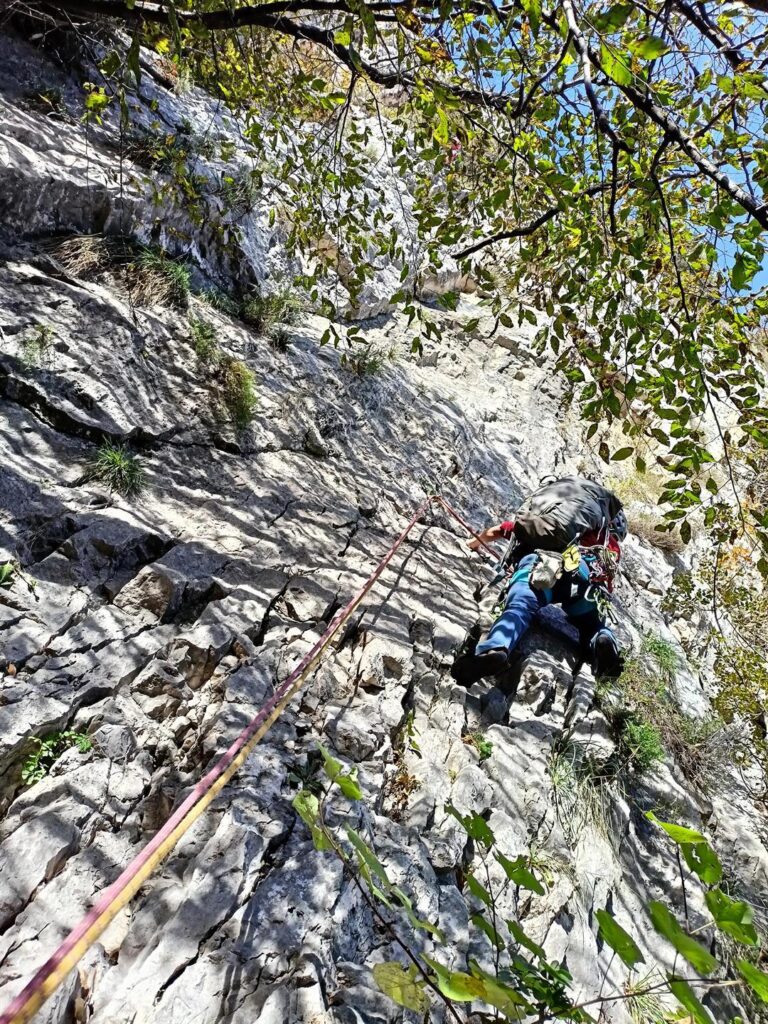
[{"x": 157, "y": 625}]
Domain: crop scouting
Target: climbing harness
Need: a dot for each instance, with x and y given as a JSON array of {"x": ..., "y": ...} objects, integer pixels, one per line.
[{"x": 53, "y": 972}]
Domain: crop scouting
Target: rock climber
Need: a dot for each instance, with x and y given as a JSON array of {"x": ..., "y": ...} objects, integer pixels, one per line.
[{"x": 566, "y": 549}]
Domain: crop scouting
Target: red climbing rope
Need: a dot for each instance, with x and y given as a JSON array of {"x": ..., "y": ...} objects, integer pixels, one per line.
[{"x": 113, "y": 899}]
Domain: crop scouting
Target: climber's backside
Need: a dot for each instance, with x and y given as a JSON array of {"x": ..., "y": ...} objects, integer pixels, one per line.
[{"x": 567, "y": 548}]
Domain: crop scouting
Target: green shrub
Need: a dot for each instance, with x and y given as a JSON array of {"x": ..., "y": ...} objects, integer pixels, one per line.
[
  {"x": 641, "y": 744},
  {"x": 239, "y": 392},
  {"x": 204, "y": 341},
  {"x": 263, "y": 312},
  {"x": 44, "y": 752},
  {"x": 119, "y": 469}
]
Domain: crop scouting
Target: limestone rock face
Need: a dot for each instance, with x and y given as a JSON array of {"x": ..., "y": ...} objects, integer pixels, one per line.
[{"x": 157, "y": 625}]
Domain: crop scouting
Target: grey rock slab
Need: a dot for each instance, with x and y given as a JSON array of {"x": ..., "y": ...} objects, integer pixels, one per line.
[{"x": 31, "y": 855}]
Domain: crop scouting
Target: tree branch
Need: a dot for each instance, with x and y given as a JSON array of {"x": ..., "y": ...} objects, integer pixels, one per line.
[{"x": 526, "y": 229}]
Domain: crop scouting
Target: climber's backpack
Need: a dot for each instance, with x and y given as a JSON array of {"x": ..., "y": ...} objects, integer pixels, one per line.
[{"x": 559, "y": 512}]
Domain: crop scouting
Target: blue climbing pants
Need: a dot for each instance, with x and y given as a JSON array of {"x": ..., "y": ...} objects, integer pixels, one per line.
[{"x": 522, "y": 603}]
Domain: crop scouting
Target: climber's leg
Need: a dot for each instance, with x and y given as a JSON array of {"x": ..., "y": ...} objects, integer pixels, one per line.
[
  {"x": 491, "y": 655},
  {"x": 599, "y": 645}
]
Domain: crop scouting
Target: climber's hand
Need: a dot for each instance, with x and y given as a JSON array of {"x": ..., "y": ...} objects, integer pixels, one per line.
[{"x": 484, "y": 537}]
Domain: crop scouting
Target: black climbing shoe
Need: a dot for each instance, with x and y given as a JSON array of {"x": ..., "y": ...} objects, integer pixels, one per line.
[
  {"x": 468, "y": 668},
  {"x": 607, "y": 660}
]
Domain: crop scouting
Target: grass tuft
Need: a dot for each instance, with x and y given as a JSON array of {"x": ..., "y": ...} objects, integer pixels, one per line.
[
  {"x": 119, "y": 469},
  {"x": 204, "y": 341},
  {"x": 264, "y": 312},
  {"x": 368, "y": 361},
  {"x": 239, "y": 392},
  {"x": 160, "y": 280}
]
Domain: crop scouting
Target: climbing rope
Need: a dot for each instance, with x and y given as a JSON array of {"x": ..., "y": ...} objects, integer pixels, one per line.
[{"x": 53, "y": 972}]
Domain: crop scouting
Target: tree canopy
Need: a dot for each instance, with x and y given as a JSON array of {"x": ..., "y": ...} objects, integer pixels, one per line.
[{"x": 598, "y": 166}]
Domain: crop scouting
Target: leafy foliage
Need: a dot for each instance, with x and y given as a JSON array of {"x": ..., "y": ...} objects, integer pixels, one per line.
[
  {"x": 44, "y": 751},
  {"x": 528, "y": 985},
  {"x": 118, "y": 468}
]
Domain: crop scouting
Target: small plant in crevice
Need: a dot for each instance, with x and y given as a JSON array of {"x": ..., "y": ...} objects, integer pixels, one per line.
[
  {"x": 482, "y": 745},
  {"x": 367, "y": 361},
  {"x": 264, "y": 312},
  {"x": 240, "y": 191},
  {"x": 307, "y": 775},
  {"x": 640, "y": 744},
  {"x": 643, "y": 1003},
  {"x": 401, "y": 782},
  {"x": 45, "y": 751},
  {"x": 663, "y": 652},
  {"x": 118, "y": 468},
  {"x": 581, "y": 788},
  {"x": 8, "y": 571},
  {"x": 239, "y": 391},
  {"x": 36, "y": 346},
  {"x": 204, "y": 341}
]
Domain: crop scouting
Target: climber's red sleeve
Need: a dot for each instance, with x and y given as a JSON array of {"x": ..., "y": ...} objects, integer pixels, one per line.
[{"x": 507, "y": 528}]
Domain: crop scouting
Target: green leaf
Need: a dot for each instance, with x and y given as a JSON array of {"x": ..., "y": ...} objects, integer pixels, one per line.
[
  {"x": 402, "y": 986},
  {"x": 442, "y": 132},
  {"x": 702, "y": 860},
  {"x": 474, "y": 825},
  {"x": 666, "y": 924},
  {"x": 307, "y": 807},
  {"x": 349, "y": 786},
  {"x": 679, "y": 833},
  {"x": 330, "y": 764},
  {"x": 478, "y": 890},
  {"x": 757, "y": 980},
  {"x": 513, "y": 1005},
  {"x": 517, "y": 872},
  {"x": 616, "y": 65},
  {"x": 456, "y": 985},
  {"x": 621, "y": 454},
  {"x": 687, "y": 998},
  {"x": 744, "y": 269},
  {"x": 487, "y": 928},
  {"x": 613, "y": 18},
  {"x": 732, "y": 916},
  {"x": 110, "y": 64},
  {"x": 342, "y": 37},
  {"x": 533, "y": 9},
  {"x": 367, "y": 857},
  {"x": 416, "y": 922},
  {"x": 648, "y": 47},
  {"x": 522, "y": 939},
  {"x": 347, "y": 783},
  {"x": 620, "y": 941}
]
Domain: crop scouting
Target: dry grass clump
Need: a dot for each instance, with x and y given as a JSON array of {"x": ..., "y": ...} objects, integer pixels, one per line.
[
  {"x": 82, "y": 255},
  {"x": 643, "y": 525}
]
